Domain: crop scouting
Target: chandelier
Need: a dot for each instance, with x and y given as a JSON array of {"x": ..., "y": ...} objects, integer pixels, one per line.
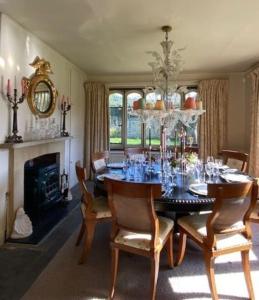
[{"x": 166, "y": 67}]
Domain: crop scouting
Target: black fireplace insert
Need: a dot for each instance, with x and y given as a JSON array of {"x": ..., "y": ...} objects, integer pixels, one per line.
[{"x": 41, "y": 184}]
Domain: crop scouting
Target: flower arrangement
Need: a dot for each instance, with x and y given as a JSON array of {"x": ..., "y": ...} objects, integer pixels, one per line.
[{"x": 191, "y": 158}]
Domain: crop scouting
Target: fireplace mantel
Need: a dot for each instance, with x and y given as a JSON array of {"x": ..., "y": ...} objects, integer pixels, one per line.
[
  {"x": 34, "y": 143},
  {"x": 19, "y": 153}
]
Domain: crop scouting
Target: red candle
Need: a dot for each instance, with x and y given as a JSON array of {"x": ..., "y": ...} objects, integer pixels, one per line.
[{"x": 8, "y": 87}]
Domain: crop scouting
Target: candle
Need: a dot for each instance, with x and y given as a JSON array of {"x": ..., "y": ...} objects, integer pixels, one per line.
[
  {"x": 149, "y": 137},
  {"x": 8, "y": 87},
  {"x": 184, "y": 140},
  {"x": 164, "y": 139},
  {"x": 67, "y": 100},
  {"x": 15, "y": 82}
]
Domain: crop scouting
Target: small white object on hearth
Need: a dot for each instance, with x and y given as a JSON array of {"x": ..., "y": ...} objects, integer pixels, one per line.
[{"x": 22, "y": 225}]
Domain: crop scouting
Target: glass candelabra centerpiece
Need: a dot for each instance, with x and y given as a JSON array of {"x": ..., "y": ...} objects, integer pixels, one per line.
[{"x": 166, "y": 68}]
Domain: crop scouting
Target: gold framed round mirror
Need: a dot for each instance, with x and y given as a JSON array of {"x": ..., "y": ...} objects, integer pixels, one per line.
[{"x": 41, "y": 92}]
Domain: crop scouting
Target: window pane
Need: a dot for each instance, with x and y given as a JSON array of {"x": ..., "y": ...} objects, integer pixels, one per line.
[
  {"x": 115, "y": 110},
  {"x": 192, "y": 94},
  {"x": 153, "y": 134},
  {"x": 176, "y": 98},
  {"x": 152, "y": 97},
  {"x": 133, "y": 122}
]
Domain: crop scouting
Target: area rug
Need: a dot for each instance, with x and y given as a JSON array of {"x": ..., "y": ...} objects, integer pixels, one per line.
[{"x": 64, "y": 279}]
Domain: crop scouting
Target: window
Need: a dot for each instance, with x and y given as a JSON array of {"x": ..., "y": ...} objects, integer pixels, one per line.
[
  {"x": 128, "y": 131},
  {"x": 134, "y": 126},
  {"x": 116, "y": 118}
]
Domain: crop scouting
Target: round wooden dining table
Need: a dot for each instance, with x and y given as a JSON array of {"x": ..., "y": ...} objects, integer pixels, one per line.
[{"x": 179, "y": 200}]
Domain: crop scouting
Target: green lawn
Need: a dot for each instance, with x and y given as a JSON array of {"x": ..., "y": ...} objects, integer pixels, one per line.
[{"x": 135, "y": 141}]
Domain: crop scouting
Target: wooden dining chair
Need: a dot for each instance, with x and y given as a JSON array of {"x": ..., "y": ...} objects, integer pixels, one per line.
[
  {"x": 254, "y": 217},
  {"x": 98, "y": 161},
  {"x": 235, "y": 159},
  {"x": 136, "y": 228},
  {"x": 225, "y": 230},
  {"x": 93, "y": 210}
]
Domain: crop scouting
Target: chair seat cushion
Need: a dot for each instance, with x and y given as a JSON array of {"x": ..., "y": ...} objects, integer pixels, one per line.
[
  {"x": 99, "y": 164},
  {"x": 142, "y": 240},
  {"x": 195, "y": 225},
  {"x": 100, "y": 207}
]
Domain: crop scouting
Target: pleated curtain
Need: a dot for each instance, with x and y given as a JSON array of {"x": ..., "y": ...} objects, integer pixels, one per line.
[
  {"x": 212, "y": 127},
  {"x": 254, "y": 137},
  {"x": 96, "y": 121}
]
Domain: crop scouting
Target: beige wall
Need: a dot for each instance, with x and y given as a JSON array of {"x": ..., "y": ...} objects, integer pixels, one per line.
[{"x": 18, "y": 48}]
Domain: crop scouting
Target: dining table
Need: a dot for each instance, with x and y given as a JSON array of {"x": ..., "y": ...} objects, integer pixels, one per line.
[
  {"x": 180, "y": 199},
  {"x": 181, "y": 196}
]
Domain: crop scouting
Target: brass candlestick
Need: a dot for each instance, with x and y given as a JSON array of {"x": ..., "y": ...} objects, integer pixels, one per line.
[
  {"x": 14, "y": 138},
  {"x": 65, "y": 107}
]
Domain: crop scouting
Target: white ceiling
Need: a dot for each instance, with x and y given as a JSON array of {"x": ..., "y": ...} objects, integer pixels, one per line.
[{"x": 108, "y": 37}]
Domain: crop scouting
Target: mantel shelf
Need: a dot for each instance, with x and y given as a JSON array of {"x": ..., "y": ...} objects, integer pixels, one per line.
[{"x": 33, "y": 143}]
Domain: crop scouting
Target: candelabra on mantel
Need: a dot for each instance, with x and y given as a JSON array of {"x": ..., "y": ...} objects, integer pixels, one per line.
[
  {"x": 15, "y": 101},
  {"x": 65, "y": 107}
]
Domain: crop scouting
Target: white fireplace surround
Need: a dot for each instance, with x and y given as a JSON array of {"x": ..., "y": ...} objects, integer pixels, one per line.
[{"x": 18, "y": 155}]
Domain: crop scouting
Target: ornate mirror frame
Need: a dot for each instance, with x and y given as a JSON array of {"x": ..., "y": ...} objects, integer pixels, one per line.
[{"x": 43, "y": 68}]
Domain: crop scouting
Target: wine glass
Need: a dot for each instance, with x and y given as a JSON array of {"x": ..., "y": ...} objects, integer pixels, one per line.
[
  {"x": 210, "y": 159},
  {"x": 209, "y": 170}
]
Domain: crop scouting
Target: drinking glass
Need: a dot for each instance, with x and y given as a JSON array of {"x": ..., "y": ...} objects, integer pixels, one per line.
[
  {"x": 209, "y": 170},
  {"x": 219, "y": 162},
  {"x": 198, "y": 170},
  {"x": 210, "y": 159}
]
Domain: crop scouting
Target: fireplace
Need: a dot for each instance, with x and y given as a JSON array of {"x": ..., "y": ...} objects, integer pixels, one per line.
[{"x": 41, "y": 184}]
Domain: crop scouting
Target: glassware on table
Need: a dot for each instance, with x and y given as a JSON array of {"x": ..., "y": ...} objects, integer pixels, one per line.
[
  {"x": 210, "y": 159},
  {"x": 131, "y": 171},
  {"x": 219, "y": 162},
  {"x": 138, "y": 170},
  {"x": 209, "y": 171},
  {"x": 125, "y": 167}
]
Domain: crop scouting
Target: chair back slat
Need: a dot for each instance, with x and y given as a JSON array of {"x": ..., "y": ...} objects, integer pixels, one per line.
[
  {"x": 132, "y": 205},
  {"x": 235, "y": 159},
  {"x": 98, "y": 161},
  {"x": 231, "y": 205},
  {"x": 81, "y": 176}
]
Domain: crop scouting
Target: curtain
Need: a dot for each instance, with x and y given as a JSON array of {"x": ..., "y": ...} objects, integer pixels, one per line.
[
  {"x": 254, "y": 138},
  {"x": 213, "y": 129},
  {"x": 96, "y": 121}
]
